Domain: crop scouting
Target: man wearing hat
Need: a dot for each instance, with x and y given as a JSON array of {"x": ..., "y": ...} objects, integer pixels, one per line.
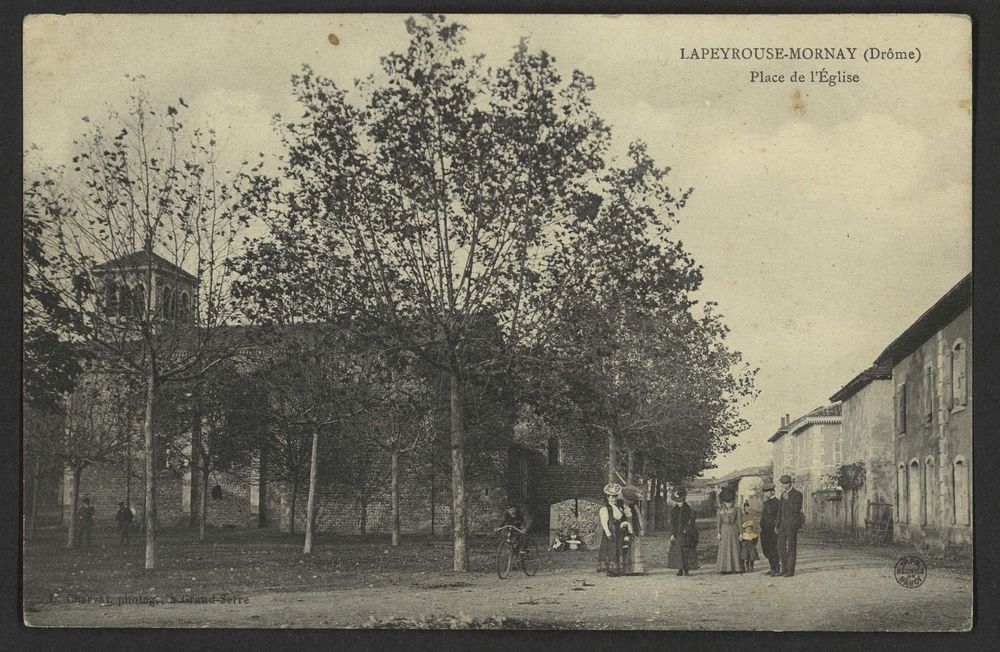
[
  {"x": 787, "y": 528},
  {"x": 768, "y": 521}
]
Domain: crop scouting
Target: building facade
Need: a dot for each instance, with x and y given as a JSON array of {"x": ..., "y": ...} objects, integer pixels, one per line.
[
  {"x": 810, "y": 449},
  {"x": 867, "y": 427},
  {"x": 932, "y": 382}
]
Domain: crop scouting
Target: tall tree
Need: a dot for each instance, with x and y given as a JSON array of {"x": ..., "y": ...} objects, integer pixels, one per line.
[
  {"x": 619, "y": 326},
  {"x": 41, "y": 459},
  {"x": 311, "y": 385},
  {"x": 402, "y": 418},
  {"x": 143, "y": 205},
  {"x": 99, "y": 415},
  {"x": 425, "y": 205},
  {"x": 208, "y": 425}
]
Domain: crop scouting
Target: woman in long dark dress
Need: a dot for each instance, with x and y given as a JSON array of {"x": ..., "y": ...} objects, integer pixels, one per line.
[
  {"x": 611, "y": 515},
  {"x": 683, "y": 553},
  {"x": 633, "y": 562},
  {"x": 728, "y": 560}
]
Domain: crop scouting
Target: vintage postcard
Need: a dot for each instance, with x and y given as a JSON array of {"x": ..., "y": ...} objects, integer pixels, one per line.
[{"x": 498, "y": 322}]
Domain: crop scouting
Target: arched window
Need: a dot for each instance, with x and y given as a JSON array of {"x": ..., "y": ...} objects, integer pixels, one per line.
[
  {"x": 554, "y": 451},
  {"x": 960, "y": 491},
  {"x": 913, "y": 493},
  {"x": 168, "y": 302},
  {"x": 184, "y": 311},
  {"x": 111, "y": 298},
  {"x": 901, "y": 493},
  {"x": 959, "y": 386},
  {"x": 927, "y": 492},
  {"x": 139, "y": 300}
]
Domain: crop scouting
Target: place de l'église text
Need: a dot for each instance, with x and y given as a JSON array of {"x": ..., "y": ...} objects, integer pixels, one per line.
[{"x": 828, "y": 77}]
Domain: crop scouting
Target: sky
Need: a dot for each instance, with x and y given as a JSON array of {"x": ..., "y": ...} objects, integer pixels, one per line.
[{"x": 827, "y": 218}]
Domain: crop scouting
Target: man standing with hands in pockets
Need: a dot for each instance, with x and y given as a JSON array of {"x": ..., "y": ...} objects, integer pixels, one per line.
[{"x": 787, "y": 528}]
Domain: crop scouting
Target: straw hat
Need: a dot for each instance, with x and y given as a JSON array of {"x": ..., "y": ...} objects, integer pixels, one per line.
[{"x": 612, "y": 489}]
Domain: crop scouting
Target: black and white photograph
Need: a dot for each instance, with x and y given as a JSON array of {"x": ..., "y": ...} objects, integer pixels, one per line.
[{"x": 497, "y": 321}]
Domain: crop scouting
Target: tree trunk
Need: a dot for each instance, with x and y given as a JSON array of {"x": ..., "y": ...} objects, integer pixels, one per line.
[
  {"x": 128, "y": 471},
  {"x": 262, "y": 488},
  {"x": 73, "y": 534},
  {"x": 647, "y": 486},
  {"x": 630, "y": 473},
  {"x": 147, "y": 431},
  {"x": 432, "y": 494},
  {"x": 311, "y": 502},
  {"x": 196, "y": 462},
  {"x": 459, "y": 513},
  {"x": 394, "y": 498},
  {"x": 203, "y": 508},
  {"x": 612, "y": 455},
  {"x": 291, "y": 514}
]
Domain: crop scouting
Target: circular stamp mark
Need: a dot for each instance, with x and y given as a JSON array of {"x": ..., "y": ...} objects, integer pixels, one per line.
[{"x": 910, "y": 571}]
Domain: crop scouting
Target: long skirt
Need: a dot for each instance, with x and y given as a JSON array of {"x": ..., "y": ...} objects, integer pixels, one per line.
[
  {"x": 609, "y": 556},
  {"x": 632, "y": 559},
  {"x": 728, "y": 560},
  {"x": 681, "y": 556},
  {"x": 748, "y": 550}
]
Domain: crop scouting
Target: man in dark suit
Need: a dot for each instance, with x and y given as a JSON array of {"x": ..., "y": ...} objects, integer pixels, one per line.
[
  {"x": 768, "y": 521},
  {"x": 787, "y": 528}
]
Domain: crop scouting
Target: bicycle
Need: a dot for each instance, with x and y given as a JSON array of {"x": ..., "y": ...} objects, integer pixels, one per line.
[{"x": 509, "y": 555}]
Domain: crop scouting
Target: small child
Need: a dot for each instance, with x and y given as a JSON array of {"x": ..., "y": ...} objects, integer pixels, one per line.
[{"x": 748, "y": 539}]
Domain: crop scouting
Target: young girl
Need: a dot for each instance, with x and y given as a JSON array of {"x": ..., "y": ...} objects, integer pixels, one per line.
[{"x": 748, "y": 538}]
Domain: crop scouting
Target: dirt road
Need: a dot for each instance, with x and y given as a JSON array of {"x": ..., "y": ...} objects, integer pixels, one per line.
[{"x": 834, "y": 589}]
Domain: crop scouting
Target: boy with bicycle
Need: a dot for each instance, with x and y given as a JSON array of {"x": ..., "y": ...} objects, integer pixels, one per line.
[{"x": 515, "y": 518}]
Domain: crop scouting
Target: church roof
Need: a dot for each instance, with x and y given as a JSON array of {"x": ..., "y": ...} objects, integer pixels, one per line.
[{"x": 139, "y": 259}]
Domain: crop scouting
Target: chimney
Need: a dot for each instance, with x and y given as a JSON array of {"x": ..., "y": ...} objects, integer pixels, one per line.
[{"x": 788, "y": 419}]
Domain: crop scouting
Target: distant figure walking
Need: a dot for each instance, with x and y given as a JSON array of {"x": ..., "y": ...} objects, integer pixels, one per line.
[
  {"x": 123, "y": 517},
  {"x": 683, "y": 554},
  {"x": 611, "y": 515},
  {"x": 728, "y": 560},
  {"x": 768, "y": 536},
  {"x": 87, "y": 523},
  {"x": 790, "y": 520}
]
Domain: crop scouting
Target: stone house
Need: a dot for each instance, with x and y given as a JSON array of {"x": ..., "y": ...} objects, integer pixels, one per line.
[
  {"x": 810, "y": 449},
  {"x": 931, "y": 365},
  {"x": 867, "y": 427}
]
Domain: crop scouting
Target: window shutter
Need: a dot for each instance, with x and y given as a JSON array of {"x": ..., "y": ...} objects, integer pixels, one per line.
[
  {"x": 901, "y": 408},
  {"x": 961, "y": 393},
  {"x": 928, "y": 394}
]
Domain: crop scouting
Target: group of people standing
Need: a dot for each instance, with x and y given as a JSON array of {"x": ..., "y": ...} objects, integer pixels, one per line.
[
  {"x": 621, "y": 531},
  {"x": 739, "y": 529}
]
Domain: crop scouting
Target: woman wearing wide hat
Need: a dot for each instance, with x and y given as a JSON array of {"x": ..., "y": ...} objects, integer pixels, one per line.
[
  {"x": 728, "y": 560},
  {"x": 683, "y": 553},
  {"x": 611, "y": 516},
  {"x": 633, "y": 562}
]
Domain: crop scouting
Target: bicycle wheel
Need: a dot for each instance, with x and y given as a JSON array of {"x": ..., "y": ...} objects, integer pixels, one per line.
[
  {"x": 530, "y": 560},
  {"x": 505, "y": 558}
]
